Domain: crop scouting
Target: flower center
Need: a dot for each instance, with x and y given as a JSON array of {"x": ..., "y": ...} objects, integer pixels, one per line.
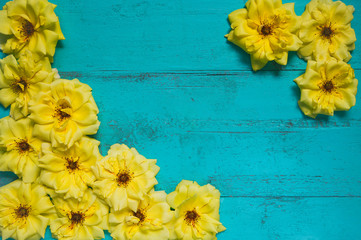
[
  {"x": 77, "y": 218},
  {"x": 328, "y": 86},
  {"x": 19, "y": 86},
  {"x": 27, "y": 29},
  {"x": 140, "y": 214},
  {"x": 327, "y": 32},
  {"x": 124, "y": 177},
  {"x": 266, "y": 30},
  {"x": 62, "y": 111},
  {"x": 192, "y": 217},
  {"x": 23, "y": 146},
  {"x": 22, "y": 211},
  {"x": 72, "y": 164}
]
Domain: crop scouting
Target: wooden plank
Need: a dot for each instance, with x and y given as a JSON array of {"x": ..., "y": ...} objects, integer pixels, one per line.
[
  {"x": 291, "y": 218},
  {"x": 228, "y": 95},
  {"x": 157, "y": 35}
]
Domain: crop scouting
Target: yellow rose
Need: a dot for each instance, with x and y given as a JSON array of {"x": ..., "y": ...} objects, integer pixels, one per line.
[
  {"x": 80, "y": 220},
  {"x": 29, "y": 25},
  {"x": 19, "y": 82},
  {"x": 124, "y": 177},
  {"x": 327, "y": 87},
  {"x": 326, "y": 31},
  {"x": 149, "y": 221},
  {"x": 25, "y": 210},
  {"x": 65, "y": 114},
  {"x": 196, "y": 211},
  {"x": 266, "y": 30},
  {"x": 20, "y": 149},
  {"x": 68, "y": 172}
]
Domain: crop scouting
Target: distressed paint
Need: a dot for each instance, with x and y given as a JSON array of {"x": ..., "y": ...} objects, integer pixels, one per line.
[{"x": 168, "y": 83}]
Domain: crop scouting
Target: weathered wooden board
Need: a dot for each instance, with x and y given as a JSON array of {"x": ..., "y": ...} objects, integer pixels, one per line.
[
  {"x": 167, "y": 82},
  {"x": 159, "y": 35}
]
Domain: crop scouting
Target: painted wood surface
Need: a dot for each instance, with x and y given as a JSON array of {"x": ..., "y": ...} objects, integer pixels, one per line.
[{"x": 167, "y": 83}]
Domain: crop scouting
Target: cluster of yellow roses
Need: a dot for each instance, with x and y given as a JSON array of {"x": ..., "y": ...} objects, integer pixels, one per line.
[
  {"x": 64, "y": 181},
  {"x": 268, "y": 29}
]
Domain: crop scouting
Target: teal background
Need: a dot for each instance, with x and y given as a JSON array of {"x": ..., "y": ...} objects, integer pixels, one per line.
[{"x": 169, "y": 84}]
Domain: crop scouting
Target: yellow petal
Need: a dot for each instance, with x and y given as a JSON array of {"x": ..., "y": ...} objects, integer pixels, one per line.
[
  {"x": 347, "y": 35},
  {"x": 18, "y": 8},
  {"x": 30, "y": 172},
  {"x": 58, "y": 31},
  {"x": 258, "y": 63},
  {"x": 37, "y": 44},
  {"x": 39, "y": 224},
  {"x": 4, "y": 23},
  {"x": 86, "y": 114},
  {"x": 342, "y": 53},
  {"x": 42, "y": 131},
  {"x": 345, "y": 103},
  {"x": 341, "y": 13},
  {"x": 118, "y": 199},
  {"x": 283, "y": 59},
  {"x": 252, "y": 6},
  {"x": 51, "y": 39},
  {"x": 237, "y": 16},
  {"x": 7, "y": 96}
]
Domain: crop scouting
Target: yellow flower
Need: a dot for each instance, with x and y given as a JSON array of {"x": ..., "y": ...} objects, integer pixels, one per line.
[
  {"x": 80, "y": 220},
  {"x": 124, "y": 177},
  {"x": 29, "y": 25},
  {"x": 20, "y": 149},
  {"x": 19, "y": 82},
  {"x": 65, "y": 114},
  {"x": 327, "y": 87},
  {"x": 326, "y": 31},
  {"x": 265, "y": 30},
  {"x": 25, "y": 210},
  {"x": 68, "y": 172},
  {"x": 149, "y": 221},
  {"x": 196, "y": 211}
]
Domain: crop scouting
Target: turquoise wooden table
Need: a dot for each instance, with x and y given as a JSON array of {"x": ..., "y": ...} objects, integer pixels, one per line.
[{"x": 169, "y": 84}]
